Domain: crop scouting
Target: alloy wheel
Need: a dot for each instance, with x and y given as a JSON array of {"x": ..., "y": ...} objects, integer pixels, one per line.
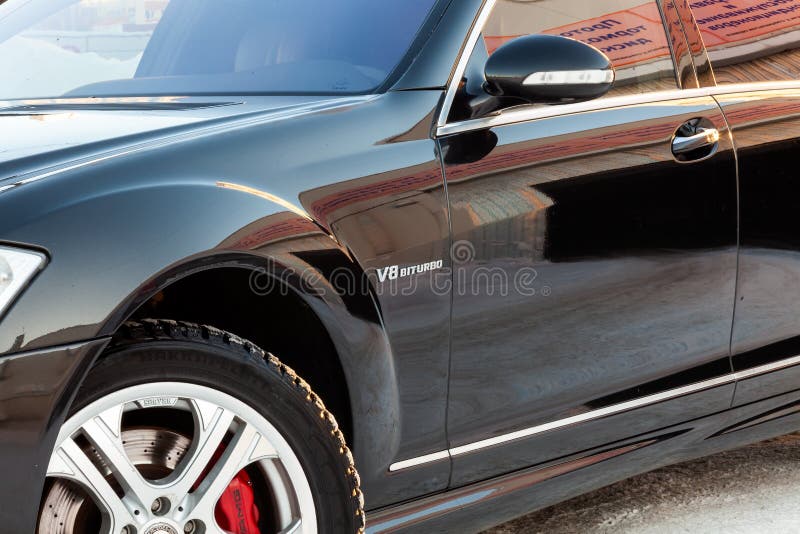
[{"x": 174, "y": 458}]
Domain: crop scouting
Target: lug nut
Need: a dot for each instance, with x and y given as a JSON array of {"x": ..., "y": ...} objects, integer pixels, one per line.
[{"x": 160, "y": 506}]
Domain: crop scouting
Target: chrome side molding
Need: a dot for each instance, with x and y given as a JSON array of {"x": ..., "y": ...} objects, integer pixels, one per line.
[
  {"x": 410, "y": 514},
  {"x": 594, "y": 414}
]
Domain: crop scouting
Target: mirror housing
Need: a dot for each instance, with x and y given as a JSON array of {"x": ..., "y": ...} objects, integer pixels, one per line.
[{"x": 548, "y": 69}]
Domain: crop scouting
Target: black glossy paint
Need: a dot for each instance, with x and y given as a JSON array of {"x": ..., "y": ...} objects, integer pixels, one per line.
[
  {"x": 433, "y": 66},
  {"x": 582, "y": 266},
  {"x": 37, "y": 388},
  {"x": 113, "y": 249},
  {"x": 597, "y": 264},
  {"x": 766, "y": 125},
  {"x": 767, "y": 129}
]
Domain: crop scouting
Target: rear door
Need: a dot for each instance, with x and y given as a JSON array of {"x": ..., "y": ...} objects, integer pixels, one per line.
[
  {"x": 754, "y": 50},
  {"x": 594, "y": 272}
]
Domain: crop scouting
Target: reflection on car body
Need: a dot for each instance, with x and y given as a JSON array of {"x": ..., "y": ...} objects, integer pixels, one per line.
[{"x": 386, "y": 266}]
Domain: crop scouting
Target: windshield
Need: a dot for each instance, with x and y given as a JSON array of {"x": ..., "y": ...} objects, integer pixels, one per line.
[{"x": 101, "y": 48}]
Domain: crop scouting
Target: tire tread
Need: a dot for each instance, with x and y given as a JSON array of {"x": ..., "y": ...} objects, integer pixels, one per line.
[{"x": 135, "y": 332}]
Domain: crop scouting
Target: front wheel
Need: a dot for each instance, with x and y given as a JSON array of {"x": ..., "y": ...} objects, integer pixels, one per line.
[{"x": 186, "y": 429}]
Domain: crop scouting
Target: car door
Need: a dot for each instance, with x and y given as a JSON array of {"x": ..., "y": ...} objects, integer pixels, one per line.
[
  {"x": 594, "y": 270},
  {"x": 756, "y": 64}
]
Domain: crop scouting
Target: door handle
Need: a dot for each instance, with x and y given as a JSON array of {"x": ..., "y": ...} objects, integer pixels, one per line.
[
  {"x": 695, "y": 140},
  {"x": 704, "y": 137}
]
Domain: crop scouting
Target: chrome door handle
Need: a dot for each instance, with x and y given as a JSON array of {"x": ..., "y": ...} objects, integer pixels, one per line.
[{"x": 704, "y": 137}]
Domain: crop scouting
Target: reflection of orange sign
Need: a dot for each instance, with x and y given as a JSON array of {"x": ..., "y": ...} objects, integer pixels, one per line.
[
  {"x": 627, "y": 37},
  {"x": 547, "y": 150},
  {"x": 326, "y": 204},
  {"x": 729, "y": 21}
]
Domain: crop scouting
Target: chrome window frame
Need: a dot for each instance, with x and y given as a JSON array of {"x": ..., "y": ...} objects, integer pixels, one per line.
[{"x": 463, "y": 61}]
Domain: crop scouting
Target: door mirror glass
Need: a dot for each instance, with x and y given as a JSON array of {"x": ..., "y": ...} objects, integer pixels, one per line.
[{"x": 548, "y": 69}]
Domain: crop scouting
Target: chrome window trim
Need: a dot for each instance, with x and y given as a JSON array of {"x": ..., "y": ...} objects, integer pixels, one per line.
[
  {"x": 529, "y": 113},
  {"x": 597, "y": 414},
  {"x": 463, "y": 60}
]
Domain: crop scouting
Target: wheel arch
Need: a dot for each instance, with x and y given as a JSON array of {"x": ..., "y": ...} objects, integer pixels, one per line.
[{"x": 353, "y": 367}]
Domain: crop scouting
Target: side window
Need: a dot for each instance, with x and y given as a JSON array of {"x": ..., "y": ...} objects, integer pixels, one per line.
[
  {"x": 750, "y": 40},
  {"x": 630, "y": 32}
]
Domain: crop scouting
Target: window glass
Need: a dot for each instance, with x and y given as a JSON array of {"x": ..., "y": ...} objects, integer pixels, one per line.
[
  {"x": 751, "y": 40},
  {"x": 630, "y": 32},
  {"x": 80, "y": 48}
]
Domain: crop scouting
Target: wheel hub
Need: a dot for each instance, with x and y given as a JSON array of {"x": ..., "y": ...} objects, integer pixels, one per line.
[{"x": 161, "y": 528}]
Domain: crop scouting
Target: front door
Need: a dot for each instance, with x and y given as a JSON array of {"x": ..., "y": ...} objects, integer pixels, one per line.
[{"x": 594, "y": 259}]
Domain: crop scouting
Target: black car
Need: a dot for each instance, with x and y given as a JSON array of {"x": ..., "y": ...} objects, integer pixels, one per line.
[{"x": 505, "y": 252}]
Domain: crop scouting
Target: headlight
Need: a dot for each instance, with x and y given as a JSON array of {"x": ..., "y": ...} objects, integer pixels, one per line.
[{"x": 17, "y": 267}]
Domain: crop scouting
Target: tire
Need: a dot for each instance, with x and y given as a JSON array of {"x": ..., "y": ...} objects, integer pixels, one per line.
[{"x": 189, "y": 364}]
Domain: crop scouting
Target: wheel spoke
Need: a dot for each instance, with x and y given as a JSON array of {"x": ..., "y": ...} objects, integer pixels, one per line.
[
  {"x": 105, "y": 436},
  {"x": 294, "y": 528},
  {"x": 70, "y": 461},
  {"x": 212, "y": 424},
  {"x": 246, "y": 447}
]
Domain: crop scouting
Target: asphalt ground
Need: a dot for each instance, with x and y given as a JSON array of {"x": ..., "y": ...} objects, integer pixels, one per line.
[{"x": 753, "y": 490}]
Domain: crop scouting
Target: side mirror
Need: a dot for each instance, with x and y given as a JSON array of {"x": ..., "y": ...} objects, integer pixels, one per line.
[{"x": 548, "y": 69}]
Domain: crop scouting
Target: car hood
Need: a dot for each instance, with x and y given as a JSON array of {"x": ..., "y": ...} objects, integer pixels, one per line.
[{"x": 46, "y": 135}]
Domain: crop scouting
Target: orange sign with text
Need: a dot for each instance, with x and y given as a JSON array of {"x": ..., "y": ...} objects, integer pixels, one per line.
[
  {"x": 627, "y": 37},
  {"x": 636, "y": 35}
]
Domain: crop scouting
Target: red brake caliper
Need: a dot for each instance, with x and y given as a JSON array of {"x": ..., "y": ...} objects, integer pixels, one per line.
[{"x": 236, "y": 510}]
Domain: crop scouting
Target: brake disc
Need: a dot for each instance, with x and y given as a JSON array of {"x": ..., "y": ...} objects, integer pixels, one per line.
[{"x": 155, "y": 452}]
